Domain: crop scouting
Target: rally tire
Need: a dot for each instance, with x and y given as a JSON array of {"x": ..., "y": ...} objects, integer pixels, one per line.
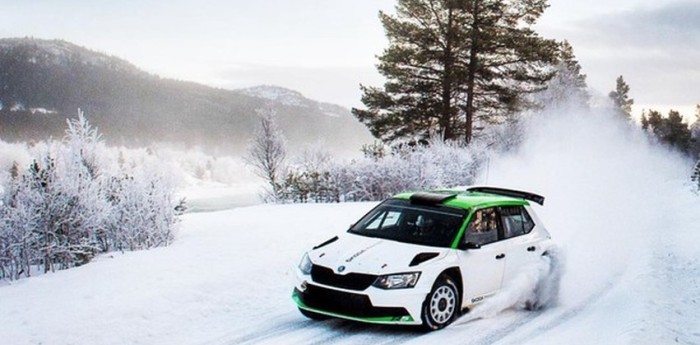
[
  {"x": 442, "y": 305},
  {"x": 546, "y": 292}
]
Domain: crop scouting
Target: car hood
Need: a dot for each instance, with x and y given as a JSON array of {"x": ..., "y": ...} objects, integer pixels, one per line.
[{"x": 360, "y": 254}]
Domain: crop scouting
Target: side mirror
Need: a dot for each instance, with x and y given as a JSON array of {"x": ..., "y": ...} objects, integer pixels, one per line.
[{"x": 471, "y": 245}]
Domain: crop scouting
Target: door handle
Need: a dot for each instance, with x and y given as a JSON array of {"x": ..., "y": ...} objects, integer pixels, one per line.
[
  {"x": 500, "y": 256},
  {"x": 531, "y": 249}
]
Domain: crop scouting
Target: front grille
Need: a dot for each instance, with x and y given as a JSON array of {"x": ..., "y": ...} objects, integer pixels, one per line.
[
  {"x": 350, "y": 281},
  {"x": 345, "y": 303}
]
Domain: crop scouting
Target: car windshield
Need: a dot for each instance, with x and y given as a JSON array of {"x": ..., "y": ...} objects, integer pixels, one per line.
[{"x": 402, "y": 221}]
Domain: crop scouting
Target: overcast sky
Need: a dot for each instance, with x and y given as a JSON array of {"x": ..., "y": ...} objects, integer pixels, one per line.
[{"x": 326, "y": 48}]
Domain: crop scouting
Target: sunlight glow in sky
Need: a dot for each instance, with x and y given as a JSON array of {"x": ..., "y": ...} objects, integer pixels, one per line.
[{"x": 326, "y": 48}]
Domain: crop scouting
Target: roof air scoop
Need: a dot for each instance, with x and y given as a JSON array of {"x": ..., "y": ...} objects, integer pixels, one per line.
[{"x": 431, "y": 198}]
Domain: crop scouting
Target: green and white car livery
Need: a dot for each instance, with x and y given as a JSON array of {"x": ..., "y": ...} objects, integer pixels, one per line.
[{"x": 423, "y": 258}]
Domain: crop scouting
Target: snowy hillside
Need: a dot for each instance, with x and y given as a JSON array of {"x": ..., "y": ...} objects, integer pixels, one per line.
[
  {"x": 619, "y": 208},
  {"x": 59, "y": 52},
  {"x": 275, "y": 93},
  {"x": 135, "y": 109},
  {"x": 292, "y": 98}
]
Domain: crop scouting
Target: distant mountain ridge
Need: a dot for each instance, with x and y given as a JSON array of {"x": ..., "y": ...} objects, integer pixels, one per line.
[{"x": 42, "y": 82}]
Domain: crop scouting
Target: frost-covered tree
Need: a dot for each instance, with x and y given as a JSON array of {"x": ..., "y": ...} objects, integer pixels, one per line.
[
  {"x": 64, "y": 208},
  {"x": 18, "y": 220},
  {"x": 81, "y": 183},
  {"x": 143, "y": 213},
  {"x": 439, "y": 164},
  {"x": 62, "y": 193},
  {"x": 266, "y": 151}
]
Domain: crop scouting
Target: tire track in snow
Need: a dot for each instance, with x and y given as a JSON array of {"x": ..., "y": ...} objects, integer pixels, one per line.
[
  {"x": 380, "y": 334},
  {"x": 512, "y": 327},
  {"x": 335, "y": 331},
  {"x": 557, "y": 318},
  {"x": 299, "y": 330},
  {"x": 260, "y": 334},
  {"x": 341, "y": 334}
]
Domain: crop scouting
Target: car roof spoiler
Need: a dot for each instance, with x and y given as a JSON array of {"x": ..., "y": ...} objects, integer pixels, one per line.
[{"x": 509, "y": 192}]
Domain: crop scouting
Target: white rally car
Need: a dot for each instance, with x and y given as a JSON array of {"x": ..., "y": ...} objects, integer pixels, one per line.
[{"x": 423, "y": 258}]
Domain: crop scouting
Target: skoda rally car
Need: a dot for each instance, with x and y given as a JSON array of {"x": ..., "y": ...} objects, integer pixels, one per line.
[{"x": 422, "y": 258}]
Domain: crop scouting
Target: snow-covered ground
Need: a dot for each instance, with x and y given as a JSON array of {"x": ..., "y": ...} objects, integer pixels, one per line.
[{"x": 627, "y": 224}]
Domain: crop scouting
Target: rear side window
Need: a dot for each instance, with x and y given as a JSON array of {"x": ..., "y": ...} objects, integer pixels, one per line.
[
  {"x": 483, "y": 228},
  {"x": 516, "y": 221}
]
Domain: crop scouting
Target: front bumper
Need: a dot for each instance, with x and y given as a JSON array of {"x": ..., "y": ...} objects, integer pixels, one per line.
[{"x": 372, "y": 305}]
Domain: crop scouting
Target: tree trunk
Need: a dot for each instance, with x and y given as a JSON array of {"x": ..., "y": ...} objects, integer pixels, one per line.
[
  {"x": 469, "y": 111},
  {"x": 446, "y": 116}
]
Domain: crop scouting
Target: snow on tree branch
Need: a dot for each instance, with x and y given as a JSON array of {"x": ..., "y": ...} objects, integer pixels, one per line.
[{"x": 70, "y": 204}]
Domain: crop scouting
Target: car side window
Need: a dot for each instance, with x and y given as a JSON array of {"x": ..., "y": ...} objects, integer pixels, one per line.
[
  {"x": 483, "y": 227},
  {"x": 516, "y": 221}
]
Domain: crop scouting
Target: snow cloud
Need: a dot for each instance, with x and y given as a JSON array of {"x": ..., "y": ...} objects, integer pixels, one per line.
[{"x": 609, "y": 192}]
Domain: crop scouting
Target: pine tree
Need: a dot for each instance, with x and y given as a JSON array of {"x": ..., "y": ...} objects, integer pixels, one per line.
[
  {"x": 622, "y": 103},
  {"x": 678, "y": 131},
  {"x": 568, "y": 87},
  {"x": 652, "y": 121},
  {"x": 453, "y": 63},
  {"x": 14, "y": 171},
  {"x": 670, "y": 130},
  {"x": 695, "y": 134},
  {"x": 696, "y": 175}
]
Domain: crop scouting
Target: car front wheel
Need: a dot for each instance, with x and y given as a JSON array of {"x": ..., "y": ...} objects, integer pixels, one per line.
[{"x": 441, "y": 306}]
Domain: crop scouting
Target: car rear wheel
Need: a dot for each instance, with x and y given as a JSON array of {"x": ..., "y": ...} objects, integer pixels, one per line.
[
  {"x": 546, "y": 292},
  {"x": 441, "y": 306}
]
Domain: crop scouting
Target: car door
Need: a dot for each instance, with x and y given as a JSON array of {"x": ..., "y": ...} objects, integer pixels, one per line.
[
  {"x": 483, "y": 261},
  {"x": 521, "y": 245}
]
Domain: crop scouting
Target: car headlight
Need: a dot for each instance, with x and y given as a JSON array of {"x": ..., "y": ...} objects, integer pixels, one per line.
[
  {"x": 305, "y": 264},
  {"x": 397, "y": 281}
]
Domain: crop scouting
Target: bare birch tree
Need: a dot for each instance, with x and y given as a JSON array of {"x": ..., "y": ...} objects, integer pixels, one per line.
[{"x": 266, "y": 152}]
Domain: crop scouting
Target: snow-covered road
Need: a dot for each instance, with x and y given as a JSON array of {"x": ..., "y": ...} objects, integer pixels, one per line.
[
  {"x": 226, "y": 281},
  {"x": 619, "y": 209}
]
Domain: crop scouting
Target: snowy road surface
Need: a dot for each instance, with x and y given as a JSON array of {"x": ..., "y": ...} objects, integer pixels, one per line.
[{"x": 619, "y": 209}]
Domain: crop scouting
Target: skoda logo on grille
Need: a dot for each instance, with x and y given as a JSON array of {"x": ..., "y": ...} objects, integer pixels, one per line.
[{"x": 341, "y": 269}]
